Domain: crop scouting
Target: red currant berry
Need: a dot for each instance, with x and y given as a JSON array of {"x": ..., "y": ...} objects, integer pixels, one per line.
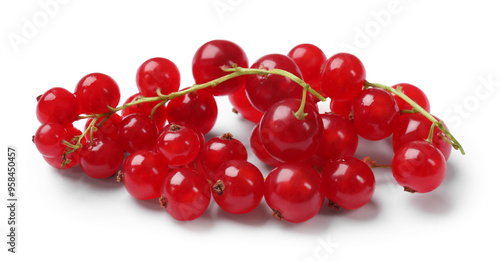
[
  {"x": 158, "y": 73},
  {"x": 145, "y": 108},
  {"x": 218, "y": 150},
  {"x": 414, "y": 93},
  {"x": 185, "y": 194},
  {"x": 339, "y": 137},
  {"x": 293, "y": 191},
  {"x": 375, "y": 114},
  {"x": 57, "y": 105},
  {"x": 310, "y": 59},
  {"x": 101, "y": 158},
  {"x": 266, "y": 90},
  {"x": 137, "y": 132},
  {"x": 287, "y": 138},
  {"x": 108, "y": 128},
  {"x": 259, "y": 150},
  {"x": 144, "y": 173},
  {"x": 342, "y": 108},
  {"x": 243, "y": 106},
  {"x": 343, "y": 77},
  {"x": 348, "y": 182},
  {"x": 179, "y": 145},
  {"x": 415, "y": 126},
  {"x": 418, "y": 166},
  {"x": 95, "y": 92},
  {"x": 49, "y": 139},
  {"x": 195, "y": 108},
  {"x": 71, "y": 159},
  {"x": 239, "y": 187},
  {"x": 211, "y": 57}
]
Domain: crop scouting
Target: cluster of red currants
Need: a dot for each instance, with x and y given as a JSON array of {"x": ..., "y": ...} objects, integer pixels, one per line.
[{"x": 158, "y": 148}]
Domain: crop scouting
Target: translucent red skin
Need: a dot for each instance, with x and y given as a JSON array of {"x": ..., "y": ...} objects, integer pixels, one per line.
[
  {"x": 211, "y": 57},
  {"x": 187, "y": 194},
  {"x": 419, "y": 167},
  {"x": 258, "y": 149},
  {"x": 108, "y": 129},
  {"x": 145, "y": 108},
  {"x": 415, "y": 126},
  {"x": 101, "y": 158},
  {"x": 284, "y": 136},
  {"x": 178, "y": 146},
  {"x": 375, "y": 114},
  {"x": 58, "y": 105},
  {"x": 339, "y": 137},
  {"x": 48, "y": 139},
  {"x": 158, "y": 73},
  {"x": 74, "y": 157},
  {"x": 294, "y": 189},
  {"x": 242, "y": 105},
  {"x": 144, "y": 173},
  {"x": 349, "y": 182},
  {"x": 195, "y": 108},
  {"x": 95, "y": 92},
  {"x": 414, "y": 93},
  {"x": 243, "y": 186},
  {"x": 343, "y": 77},
  {"x": 137, "y": 132},
  {"x": 264, "y": 91},
  {"x": 219, "y": 150},
  {"x": 309, "y": 58},
  {"x": 342, "y": 108}
]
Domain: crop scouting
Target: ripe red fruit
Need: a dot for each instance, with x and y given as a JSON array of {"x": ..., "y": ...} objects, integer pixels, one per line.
[
  {"x": 375, "y": 114},
  {"x": 265, "y": 90},
  {"x": 211, "y": 57},
  {"x": 414, "y": 93},
  {"x": 343, "y": 77},
  {"x": 309, "y": 58},
  {"x": 144, "y": 173},
  {"x": 348, "y": 182},
  {"x": 239, "y": 186},
  {"x": 339, "y": 137},
  {"x": 415, "y": 126},
  {"x": 178, "y": 144},
  {"x": 259, "y": 150},
  {"x": 287, "y": 138},
  {"x": 242, "y": 105},
  {"x": 293, "y": 191},
  {"x": 137, "y": 132},
  {"x": 57, "y": 105},
  {"x": 185, "y": 194},
  {"x": 48, "y": 139},
  {"x": 158, "y": 73},
  {"x": 418, "y": 166},
  {"x": 219, "y": 150},
  {"x": 195, "y": 108},
  {"x": 95, "y": 92},
  {"x": 101, "y": 158}
]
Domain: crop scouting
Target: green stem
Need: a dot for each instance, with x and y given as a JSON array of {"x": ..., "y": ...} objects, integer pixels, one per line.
[
  {"x": 454, "y": 143},
  {"x": 299, "y": 114}
]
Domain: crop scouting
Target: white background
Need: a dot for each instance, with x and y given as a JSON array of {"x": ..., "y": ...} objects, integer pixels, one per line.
[{"x": 448, "y": 48}]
